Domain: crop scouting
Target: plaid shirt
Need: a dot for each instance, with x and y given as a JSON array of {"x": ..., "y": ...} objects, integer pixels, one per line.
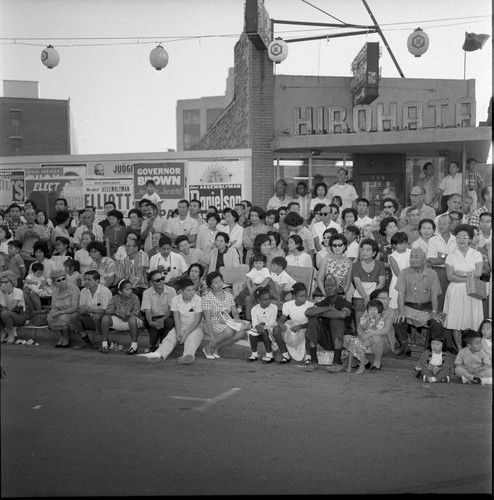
[
  {"x": 13, "y": 226},
  {"x": 475, "y": 217},
  {"x": 473, "y": 181}
]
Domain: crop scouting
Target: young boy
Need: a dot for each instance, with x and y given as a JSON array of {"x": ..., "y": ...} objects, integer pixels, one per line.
[
  {"x": 281, "y": 282},
  {"x": 152, "y": 195},
  {"x": 472, "y": 364},
  {"x": 16, "y": 262},
  {"x": 263, "y": 321},
  {"x": 435, "y": 364}
]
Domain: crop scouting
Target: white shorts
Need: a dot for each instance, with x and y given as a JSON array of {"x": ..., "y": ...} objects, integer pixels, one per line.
[{"x": 121, "y": 325}]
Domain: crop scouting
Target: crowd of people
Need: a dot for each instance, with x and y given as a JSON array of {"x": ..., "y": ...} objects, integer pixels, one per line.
[{"x": 375, "y": 283}]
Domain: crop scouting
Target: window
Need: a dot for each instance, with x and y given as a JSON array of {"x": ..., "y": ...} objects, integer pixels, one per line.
[
  {"x": 15, "y": 120},
  {"x": 16, "y": 145},
  {"x": 192, "y": 127}
]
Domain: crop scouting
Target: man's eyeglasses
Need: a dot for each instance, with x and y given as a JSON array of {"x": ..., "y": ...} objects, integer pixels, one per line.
[
  {"x": 4, "y": 282},
  {"x": 157, "y": 280},
  {"x": 324, "y": 213},
  {"x": 60, "y": 280},
  {"x": 414, "y": 195},
  {"x": 389, "y": 206},
  {"x": 337, "y": 245}
]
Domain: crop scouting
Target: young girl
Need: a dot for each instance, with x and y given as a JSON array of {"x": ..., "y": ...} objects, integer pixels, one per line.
[
  {"x": 73, "y": 275},
  {"x": 398, "y": 260},
  {"x": 284, "y": 333},
  {"x": 258, "y": 277},
  {"x": 356, "y": 345},
  {"x": 263, "y": 321},
  {"x": 122, "y": 314},
  {"x": 435, "y": 364},
  {"x": 296, "y": 255},
  {"x": 36, "y": 286},
  {"x": 115, "y": 234},
  {"x": 485, "y": 329}
]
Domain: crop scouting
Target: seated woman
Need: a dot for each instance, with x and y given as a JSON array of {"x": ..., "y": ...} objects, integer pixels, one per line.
[
  {"x": 187, "y": 314},
  {"x": 195, "y": 273},
  {"x": 222, "y": 255},
  {"x": 207, "y": 232},
  {"x": 296, "y": 255},
  {"x": 214, "y": 303},
  {"x": 64, "y": 302},
  {"x": 12, "y": 307},
  {"x": 325, "y": 247},
  {"x": 104, "y": 265},
  {"x": 295, "y": 225},
  {"x": 61, "y": 252},
  {"x": 122, "y": 314}
]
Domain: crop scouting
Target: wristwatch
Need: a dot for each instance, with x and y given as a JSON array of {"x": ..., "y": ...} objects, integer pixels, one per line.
[{"x": 443, "y": 256}]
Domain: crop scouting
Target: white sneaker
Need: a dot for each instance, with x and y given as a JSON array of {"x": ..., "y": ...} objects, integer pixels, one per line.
[{"x": 150, "y": 357}]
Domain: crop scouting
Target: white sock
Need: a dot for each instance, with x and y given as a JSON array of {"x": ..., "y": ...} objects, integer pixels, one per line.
[
  {"x": 104, "y": 343},
  {"x": 269, "y": 355},
  {"x": 133, "y": 345},
  {"x": 432, "y": 379}
]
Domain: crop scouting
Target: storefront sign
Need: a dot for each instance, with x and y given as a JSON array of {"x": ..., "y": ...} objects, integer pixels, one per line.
[
  {"x": 11, "y": 188},
  {"x": 257, "y": 23},
  {"x": 98, "y": 191},
  {"x": 49, "y": 182},
  {"x": 380, "y": 117},
  {"x": 220, "y": 196},
  {"x": 168, "y": 177},
  {"x": 365, "y": 69}
]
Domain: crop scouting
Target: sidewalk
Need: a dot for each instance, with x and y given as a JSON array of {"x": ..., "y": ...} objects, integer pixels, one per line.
[{"x": 241, "y": 349}]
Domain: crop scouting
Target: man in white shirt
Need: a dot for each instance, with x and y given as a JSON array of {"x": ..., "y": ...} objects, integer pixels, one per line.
[
  {"x": 485, "y": 227},
  {"x": 319, "y": 227},
  {"x": 303, "y": 198},
  {"x": 451, "y": 183},
  {"x": 346, "y": 191},
  {"x": 438, "y": 248},
  {"x": 87, "y": 224},
  {"x": 184, "y": 224},
  {"x": 93, "y": 301},
  {"x": 363, "y": 218},
  {"x": 171, "y": 264},
  {"x": 454, "y": 205},
  {"x": 280, "y": 198},
  {"x": 151, "y": 224}
]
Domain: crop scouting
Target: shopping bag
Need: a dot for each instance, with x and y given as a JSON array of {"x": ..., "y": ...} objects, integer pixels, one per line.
[
  {"x": 233, "y": 324},
  {"x": 476, "y": 288}
]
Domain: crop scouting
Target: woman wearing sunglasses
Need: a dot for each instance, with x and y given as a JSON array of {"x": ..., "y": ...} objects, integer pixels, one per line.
[
  {"x": 64, "y": 302},
  {"x": 336, "y": 264}
]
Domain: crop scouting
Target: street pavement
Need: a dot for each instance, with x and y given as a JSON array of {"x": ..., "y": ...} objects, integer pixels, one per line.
[{"x": 81, "y": 423}]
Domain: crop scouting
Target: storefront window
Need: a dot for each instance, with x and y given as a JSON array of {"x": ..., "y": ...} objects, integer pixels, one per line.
[{"x": 310, "y": 170}]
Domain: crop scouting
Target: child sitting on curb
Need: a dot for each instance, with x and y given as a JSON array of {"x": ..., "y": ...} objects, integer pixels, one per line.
[
  {"x": 263, "y": 321},
  {"x": 472, "y": 364},
  {"x": 435, "y": 364}
]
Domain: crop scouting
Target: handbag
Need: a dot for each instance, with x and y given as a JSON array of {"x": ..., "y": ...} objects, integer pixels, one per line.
[
  {"x": 234, "y": 325},
  {"x": 476, "y": 288}
]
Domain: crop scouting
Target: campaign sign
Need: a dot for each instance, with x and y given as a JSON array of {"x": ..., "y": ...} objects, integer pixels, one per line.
[
  {"x": 220, "y": 196},
  {"x": 168, "y": 177},
  {"x": 101, "y": 169},
  {"x": 98, "y": 191},
  {"x": 11, "y": 188}
]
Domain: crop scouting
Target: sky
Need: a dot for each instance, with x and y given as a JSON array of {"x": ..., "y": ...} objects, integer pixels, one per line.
[{"x": 121, "y": 104}]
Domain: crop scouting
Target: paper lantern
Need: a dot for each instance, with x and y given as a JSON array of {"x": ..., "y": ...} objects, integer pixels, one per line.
[
  {"x": 158, "y": 58},
  {"x": 277, "y": 50},
  {"x": 418, "y": 42},
  {"x": 50, "y": 57}
]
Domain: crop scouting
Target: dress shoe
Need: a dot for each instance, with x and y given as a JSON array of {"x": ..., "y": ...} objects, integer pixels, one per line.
[
  {"x": 335, "y": 368},
  {"x": 374, "y": 368},
  {"x": 186, "y": 359},
  {"x": 206, "y": 355}
]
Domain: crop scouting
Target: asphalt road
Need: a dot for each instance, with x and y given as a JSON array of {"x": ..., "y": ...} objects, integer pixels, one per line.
[{"x": 79, "y": 423}]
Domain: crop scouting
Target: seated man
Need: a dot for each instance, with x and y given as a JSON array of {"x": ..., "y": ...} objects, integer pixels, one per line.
[
  {"x": 329, "y": 320},
  {"x": 93, "y": 302},
  {"x": 418, "y": 291},
  {"x": 155, "y": 305},
  {"x": 134, "y": 267}
]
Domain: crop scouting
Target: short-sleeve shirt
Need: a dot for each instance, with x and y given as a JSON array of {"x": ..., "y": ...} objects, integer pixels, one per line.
[
  {"x": 178, "y": 227},
  {"x": 451, "y": 185},
  {"x": 187, "y": 310},
  {"x": 106, "y": 270},
  {"x": 464, "y": 263},
  {"x": 153, "y": 198},
  {"x": 284, "y": 280},
  {"x": 437, "y": 245},
  {"x": 472, "y": 359},
  {"x": 359, "y": 272},
  {"x": 339, "y": 304},
  {"x": 258, "y": 275},
  {"x": 17, "y": 294},
  {"x": 264, "y": 315},
  {"x": 158, "y": 304},
  {"x": 101, "y": 298},
  {"x": 297, "y": 313},
  {"x": 302, "y": 260},
  {"x": 418, "y": 288},
  {"x": 346, "y": 191}
]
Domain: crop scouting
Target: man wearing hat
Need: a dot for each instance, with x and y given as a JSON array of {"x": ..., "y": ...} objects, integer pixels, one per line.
[{"x": 329, "y": 321}]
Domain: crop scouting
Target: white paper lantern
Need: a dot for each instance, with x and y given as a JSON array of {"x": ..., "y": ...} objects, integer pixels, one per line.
[
  {"x": 158, "y": 58},
  {"x": 50, "y": 57},
  {"x": 418, "y": 42},
  {"x": 278, "y": 50}
]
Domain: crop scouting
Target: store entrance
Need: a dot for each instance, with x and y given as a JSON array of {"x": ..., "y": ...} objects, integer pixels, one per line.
[{"x": 374, "y": 172}]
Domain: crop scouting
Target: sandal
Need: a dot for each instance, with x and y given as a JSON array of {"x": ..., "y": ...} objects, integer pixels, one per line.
[
  {"x": 284, "y": 360},
  {"x": 105, "y": 349}
]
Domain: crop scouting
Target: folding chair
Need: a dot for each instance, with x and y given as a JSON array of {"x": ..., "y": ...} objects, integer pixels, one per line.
[{"x": 304, "y": 275}]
